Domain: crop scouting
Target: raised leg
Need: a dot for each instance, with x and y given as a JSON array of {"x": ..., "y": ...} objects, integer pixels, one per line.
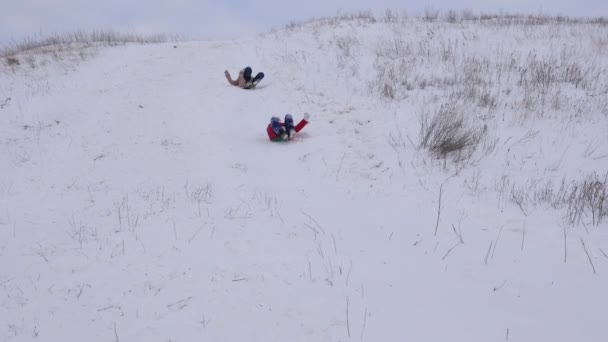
[
  {"x": 247, "y": 74},
  {"x": 289, "y": 126}
]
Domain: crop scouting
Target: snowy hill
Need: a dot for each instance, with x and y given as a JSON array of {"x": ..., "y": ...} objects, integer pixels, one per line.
[{"x": 140, "y": 198}]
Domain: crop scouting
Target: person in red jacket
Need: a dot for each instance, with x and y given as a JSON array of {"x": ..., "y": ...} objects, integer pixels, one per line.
[{"x": 283, "y": 131}]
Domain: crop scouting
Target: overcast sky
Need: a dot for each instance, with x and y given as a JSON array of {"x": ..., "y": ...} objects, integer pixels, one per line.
[{"x": 221, "y": 19}]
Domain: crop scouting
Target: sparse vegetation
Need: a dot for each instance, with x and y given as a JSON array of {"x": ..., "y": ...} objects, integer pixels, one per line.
[
  {"x": 523, "y": 79},
  {"x": 69, "y": 46},
  {"x": 448, "y": 133},
  {"x": 451, "y": 17},
  {"x": 64, "y": 41},
  {"x": 584, "y": 200},
  {"x": 128, "y": 172}
]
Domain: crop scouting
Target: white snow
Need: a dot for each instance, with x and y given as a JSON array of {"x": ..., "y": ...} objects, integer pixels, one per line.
[{"x": 140, "y": 198}]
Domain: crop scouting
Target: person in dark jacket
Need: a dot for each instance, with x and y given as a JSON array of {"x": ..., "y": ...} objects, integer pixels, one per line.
[
  {"x": 284, "y": 131},
  {"x": 245, "y": 80}
]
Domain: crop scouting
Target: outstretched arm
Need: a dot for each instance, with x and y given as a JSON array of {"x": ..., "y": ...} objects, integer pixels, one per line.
[
  {"x": 302, "y": 122},
  {"x": 230, "y": 78}
]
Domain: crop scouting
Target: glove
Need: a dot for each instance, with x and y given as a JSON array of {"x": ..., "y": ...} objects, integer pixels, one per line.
[
  {"x": 306, "y": 117},
  {"x": 284, "y": 136},
  {"x": 292, "y": 133},
  {"x": 226, "y": 73}
]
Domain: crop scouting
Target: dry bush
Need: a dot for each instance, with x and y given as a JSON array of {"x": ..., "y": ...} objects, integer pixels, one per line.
[
  {"x": 452, "y": 17},
  {"x": 582, "y": 199},
  {"x": 588, "y": 196},
  {"x": 448, "y": 133}
]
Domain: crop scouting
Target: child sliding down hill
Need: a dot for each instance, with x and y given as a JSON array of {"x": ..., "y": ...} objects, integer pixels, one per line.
[
  {"x": 245, "y": 80},
  {"x": 283, "y": 131}
]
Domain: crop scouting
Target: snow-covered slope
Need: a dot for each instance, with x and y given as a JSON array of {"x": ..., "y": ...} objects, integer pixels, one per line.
[{"x": 140, "y": 199}]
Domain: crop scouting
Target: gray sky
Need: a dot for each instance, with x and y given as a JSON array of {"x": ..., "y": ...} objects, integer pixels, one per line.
[{"x": 206, "y": 19}]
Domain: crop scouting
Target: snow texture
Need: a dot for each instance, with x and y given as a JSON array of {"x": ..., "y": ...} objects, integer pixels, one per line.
[{"x": 140, "y": 198}]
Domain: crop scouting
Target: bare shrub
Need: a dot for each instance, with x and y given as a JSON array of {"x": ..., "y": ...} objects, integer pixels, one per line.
[
  {"x": 448, "y": 133},
  {"x": 452, "y": 17},
  {"x": 588, "y": 196}
]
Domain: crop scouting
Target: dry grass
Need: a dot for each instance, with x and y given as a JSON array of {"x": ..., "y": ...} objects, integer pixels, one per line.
[
  {"x": 432, "y": 14},
  {"x": 67, "y": 48},
  {"x": 57, "y": 42},
  {"x": 584, "y": 200},
  {"x": 449, "y": 133}
]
